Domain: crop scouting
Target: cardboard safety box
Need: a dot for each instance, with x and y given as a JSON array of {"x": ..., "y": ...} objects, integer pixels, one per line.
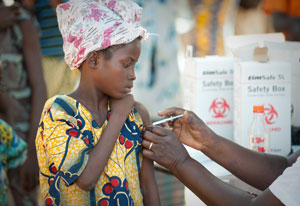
[
  {"x": 208, "y": 91},
  {"x": 262, "y": 79}
]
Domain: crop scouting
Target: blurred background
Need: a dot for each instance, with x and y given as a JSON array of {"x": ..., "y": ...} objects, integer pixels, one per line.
[{"x": 34, "y": 71}]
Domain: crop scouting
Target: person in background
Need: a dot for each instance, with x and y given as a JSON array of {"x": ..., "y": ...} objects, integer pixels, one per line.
[
  {"x": 251, "y": 19},
  {"x": 213, "y": 23},
  {"x": 286, "y": 17},
  {"x": 65, "y": 81},
  {"x": 12, "y": 154},
  {"x": 89, "y": 141},
  {"x": 277, "y": 176},
  {"x": 23, "y": 87}
]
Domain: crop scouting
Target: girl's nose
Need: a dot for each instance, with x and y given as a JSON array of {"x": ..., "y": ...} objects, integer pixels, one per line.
[{"x": 131, "y": 75}]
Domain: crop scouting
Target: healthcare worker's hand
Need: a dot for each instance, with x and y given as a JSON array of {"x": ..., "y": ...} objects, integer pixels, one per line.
[
  {"x": 189, "y": 129},
  {"x": 162, "y": 145}
]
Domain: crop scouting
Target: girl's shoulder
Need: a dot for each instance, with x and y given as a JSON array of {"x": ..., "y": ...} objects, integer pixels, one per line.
[
  {"x": 60, "y": 107},
  {"x": 141, "y": 115},
  {"x": 62, "y": 102}
]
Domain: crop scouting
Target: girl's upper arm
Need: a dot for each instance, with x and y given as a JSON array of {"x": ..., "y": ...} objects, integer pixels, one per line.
[
  {"x": 148, "y": 183},
  {"x": 143, "y": 112},
  {"x": 58, "y": 134}
]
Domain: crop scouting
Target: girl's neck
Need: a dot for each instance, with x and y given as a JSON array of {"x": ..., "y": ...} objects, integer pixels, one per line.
[{"x": 91, "y": 98}]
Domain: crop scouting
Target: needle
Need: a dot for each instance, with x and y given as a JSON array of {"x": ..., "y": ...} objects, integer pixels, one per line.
[{"x": 167, "y": 119}]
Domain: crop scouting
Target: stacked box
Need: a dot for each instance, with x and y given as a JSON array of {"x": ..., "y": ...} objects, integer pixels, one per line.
[
  {"x": 267, "y": 84},
  {"x": 208, "y": 91}
]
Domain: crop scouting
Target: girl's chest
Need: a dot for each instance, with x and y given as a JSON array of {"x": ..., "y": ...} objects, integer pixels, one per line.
[{"x": 129, "y": 136}]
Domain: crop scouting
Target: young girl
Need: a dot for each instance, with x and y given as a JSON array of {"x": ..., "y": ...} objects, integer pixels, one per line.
[{"x": 89, "y": 142}]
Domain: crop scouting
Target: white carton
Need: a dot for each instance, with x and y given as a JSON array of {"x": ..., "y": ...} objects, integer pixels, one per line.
[
  {"x": 208, "y": 91},
  {"x": 280, "y": 51},
  {"x": 267, "y": 84},
  {"x": 238, "y": 41},
  {"x": 290, "y": 51}
]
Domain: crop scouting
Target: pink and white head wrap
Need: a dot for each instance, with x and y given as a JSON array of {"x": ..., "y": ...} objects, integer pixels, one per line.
[{"x": 92, "y": 25}]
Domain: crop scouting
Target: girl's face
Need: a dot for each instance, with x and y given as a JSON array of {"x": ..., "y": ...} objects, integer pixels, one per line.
[{"x": 115, "y": 76}]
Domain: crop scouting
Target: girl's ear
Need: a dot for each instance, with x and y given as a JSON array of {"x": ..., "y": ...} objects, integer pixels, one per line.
[{"x": 94, "y": 59}]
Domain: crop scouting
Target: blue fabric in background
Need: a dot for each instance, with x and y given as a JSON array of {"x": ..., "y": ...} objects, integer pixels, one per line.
[{"x": 51, "y": 40}]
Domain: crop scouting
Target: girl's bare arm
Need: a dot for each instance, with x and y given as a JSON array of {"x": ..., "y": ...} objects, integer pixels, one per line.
[{"x": 147, "y": 178}]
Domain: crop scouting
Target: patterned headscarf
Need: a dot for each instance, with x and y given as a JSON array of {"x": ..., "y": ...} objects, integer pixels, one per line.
[{"x": 92, "y": 25}]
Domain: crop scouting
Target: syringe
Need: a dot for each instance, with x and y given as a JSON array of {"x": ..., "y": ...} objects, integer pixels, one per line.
[{"x": 167, "y": 119}]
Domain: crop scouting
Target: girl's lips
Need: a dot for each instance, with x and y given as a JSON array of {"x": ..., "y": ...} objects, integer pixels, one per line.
[{"x": 127, "y": 90}]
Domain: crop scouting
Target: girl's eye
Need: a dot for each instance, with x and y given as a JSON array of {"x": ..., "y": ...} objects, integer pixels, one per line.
[{"x": 126, "y": 65}]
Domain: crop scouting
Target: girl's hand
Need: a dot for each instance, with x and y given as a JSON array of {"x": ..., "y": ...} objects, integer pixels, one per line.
[{"x": 122, "y": 107}]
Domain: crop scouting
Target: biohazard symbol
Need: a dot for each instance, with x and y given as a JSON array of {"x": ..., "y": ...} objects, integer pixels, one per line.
[
  {"x": 219, "y": 108},
  {"x": 270, "y": 114}
]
